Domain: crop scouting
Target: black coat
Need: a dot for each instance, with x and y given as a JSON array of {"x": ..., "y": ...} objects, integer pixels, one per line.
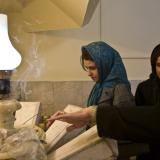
[{"x": 148, "y": 92}]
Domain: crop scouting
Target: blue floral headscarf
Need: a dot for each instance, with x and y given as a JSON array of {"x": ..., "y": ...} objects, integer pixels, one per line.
[{"x": 110, "y": 67}]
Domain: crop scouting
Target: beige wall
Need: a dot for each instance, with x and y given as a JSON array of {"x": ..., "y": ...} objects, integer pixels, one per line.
[
  {"x": 52, "y": 55},
  {"x": 129, "y": 26},
  {"x": 132, "y": 27}
]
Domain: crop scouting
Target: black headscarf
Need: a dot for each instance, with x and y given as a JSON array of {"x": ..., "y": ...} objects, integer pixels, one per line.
[
  {"x": 148, "y": 91},
  {"x": 154, "y": 56},
  {"x": 153, "y": 76}
]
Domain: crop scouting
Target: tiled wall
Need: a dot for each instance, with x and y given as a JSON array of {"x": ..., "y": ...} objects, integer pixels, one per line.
[{"x": 54, "y": 95}]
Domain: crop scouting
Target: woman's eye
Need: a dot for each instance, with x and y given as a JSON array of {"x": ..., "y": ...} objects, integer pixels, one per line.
[{"x": 92, "y": 68}]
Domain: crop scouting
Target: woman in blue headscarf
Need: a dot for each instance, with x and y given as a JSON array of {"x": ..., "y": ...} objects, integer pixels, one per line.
[
  {"x": 104, "y": 65},
  {"x": 112, "y": 88}
]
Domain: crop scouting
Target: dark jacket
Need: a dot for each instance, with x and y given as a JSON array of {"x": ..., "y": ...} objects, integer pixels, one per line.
[{"x": 148, "y": 92}]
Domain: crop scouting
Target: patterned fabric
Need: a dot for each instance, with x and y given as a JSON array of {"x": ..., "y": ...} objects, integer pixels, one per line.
[{"x": 110, "y": 67}]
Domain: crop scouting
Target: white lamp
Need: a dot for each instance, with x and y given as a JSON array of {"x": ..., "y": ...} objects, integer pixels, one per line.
[{"x": 9, "y": 57}]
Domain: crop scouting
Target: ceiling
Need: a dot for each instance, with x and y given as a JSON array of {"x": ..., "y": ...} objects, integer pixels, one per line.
[{"x": 44, "y": 15}]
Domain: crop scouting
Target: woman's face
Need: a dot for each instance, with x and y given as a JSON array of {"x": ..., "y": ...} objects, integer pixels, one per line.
[
  {"x": 92, "y": 70},
  {"x": 158, "y": 67}
]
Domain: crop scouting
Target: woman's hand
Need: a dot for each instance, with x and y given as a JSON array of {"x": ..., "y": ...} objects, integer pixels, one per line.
[
  {"x": 77, "y": 119},
  {"x": 52, "y": 118}
]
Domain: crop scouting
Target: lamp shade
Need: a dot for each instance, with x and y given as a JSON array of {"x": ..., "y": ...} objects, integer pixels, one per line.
[{"x": 9, "y": 56}]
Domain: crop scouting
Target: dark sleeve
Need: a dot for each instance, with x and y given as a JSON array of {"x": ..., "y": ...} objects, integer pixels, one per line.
[
  {"x": 138, "y": 124},
  {"x": 139, "y": 98}
]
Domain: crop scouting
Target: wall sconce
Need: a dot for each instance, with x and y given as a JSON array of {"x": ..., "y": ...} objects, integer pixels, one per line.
[{"x": 9, "y": 57}]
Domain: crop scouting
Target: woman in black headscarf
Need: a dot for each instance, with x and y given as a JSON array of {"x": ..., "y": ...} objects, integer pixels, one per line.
[{"x": 148, "y": 93}]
